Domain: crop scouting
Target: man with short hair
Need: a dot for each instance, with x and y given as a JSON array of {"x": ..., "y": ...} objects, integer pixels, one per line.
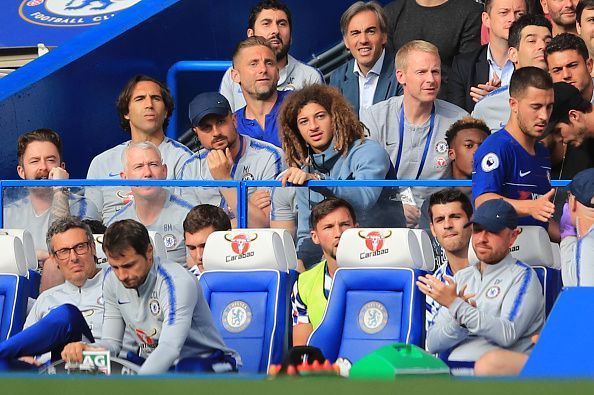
[
  {"x": 369, "y": 77},
  {"x": 328, "y": 221},
  {"x": 474, "y": 74},
  {"x": 528, "y": 37},
  {"x": 562, "y": 13},
  {"x": 512, "y": 164},
  {"x": 584, "y": 12},
  {"x": 495, "y": 304},
  {"x": 412, "y": 127},
  {"x": 272, "y": 20},
  {"x": 572, "y": 116},
  {"x": 158, "y": 208},
  {"x": 200, "y": 222},
  {"x": 144, "y": 107},
  {"x": 161, "y": 302},
  {"x": 227, "y": 155}
]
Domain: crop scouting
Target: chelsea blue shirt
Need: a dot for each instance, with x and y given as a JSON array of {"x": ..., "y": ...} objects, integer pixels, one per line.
[{"x": 250, "y": 127}]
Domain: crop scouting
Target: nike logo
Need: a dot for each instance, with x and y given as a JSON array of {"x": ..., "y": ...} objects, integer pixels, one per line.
[
  {"x": 525, "y": 173},
  {"x": 123, "y": 301},
  {"x": 113, "y": 174}
]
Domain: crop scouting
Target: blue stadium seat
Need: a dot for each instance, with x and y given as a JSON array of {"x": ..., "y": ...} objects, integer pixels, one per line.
[
  {"x": 30, "y": 257},
  {"x": 374, "y": 300},
  {"x": 244, "y": 284},
  {"x": 14, "y": 286}
]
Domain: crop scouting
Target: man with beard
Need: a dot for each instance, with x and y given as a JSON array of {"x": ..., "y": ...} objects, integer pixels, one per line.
[
  {"x": 562, "y": 13},
  {"x": 40, "y": 157},
  {"x": 271, "y": 19},
  {"x": 496, "y": 304}
]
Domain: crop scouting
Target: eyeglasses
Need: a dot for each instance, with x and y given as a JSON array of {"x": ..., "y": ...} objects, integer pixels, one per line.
[{"x": 79, "y": 249}]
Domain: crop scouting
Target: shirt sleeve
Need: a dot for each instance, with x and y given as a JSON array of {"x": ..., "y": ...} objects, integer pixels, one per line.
[
  {"x": 299, "y": 309},
  {"x": 488, "y": 170},
  {"x": 282, "y": 200},
  {"x": 445, "y": 333},
  {"x": 94, "y": 195},
  {"x": 568, "y": 272},
  {"x": 112, "y": 332},
  {"x": 226, "y": 88}
]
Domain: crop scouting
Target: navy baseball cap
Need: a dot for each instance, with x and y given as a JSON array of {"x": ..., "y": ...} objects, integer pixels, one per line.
[
  {"x": 567, "y": 97},
  {"x": 207, "y": 103},
  {"x": 582, "y": 187},
  {"x": 495, "y": 215}
]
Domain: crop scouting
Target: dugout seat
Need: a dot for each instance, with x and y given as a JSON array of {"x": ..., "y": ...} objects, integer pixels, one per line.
[
  {"x": 374, "y": 300},
  {"x": 159, "y": 248},
  {"x": 30, "y": 257},
  {"x": 534, "y": 248},
  {"x": 14, "y": 286},
  {"x": 244, "y": 283}
]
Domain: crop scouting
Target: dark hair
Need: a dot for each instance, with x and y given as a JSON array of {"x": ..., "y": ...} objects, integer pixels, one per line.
[
  {"x": 327, "y": 206},
  {"x": 581, "y": 6},
  {"x": 123, "y": 101},
  {"x": 450, "y": 195},
  {"x": 463, "y": 124},
  {"x": 515, "y": 30},
  {"x": 96, "y": 226},
  {"x": 566, "y": 42},
  {"x": 124, "y": 234},
  {"x": 268, "y": 5},
  {"x": 205, "y": 215},
  {"x": 64, "y": 224},
  {"x": 527, "y": 77},
  {"x": 253, "y": 41},
  {"x": 43, "y": 134},
  {"x": 357, "y": 8},
  {"x": 489, "y": 4}
]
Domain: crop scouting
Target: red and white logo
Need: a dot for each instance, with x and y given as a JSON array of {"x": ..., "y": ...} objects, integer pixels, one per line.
[
  {"x": 374, "y": 240},
  {"x": 240, "y": 244}
]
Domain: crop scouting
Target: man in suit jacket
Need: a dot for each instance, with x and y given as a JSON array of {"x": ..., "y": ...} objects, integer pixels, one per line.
[
  {"x": 370, "y": 77},
  {"x": 476, "y": 73}
]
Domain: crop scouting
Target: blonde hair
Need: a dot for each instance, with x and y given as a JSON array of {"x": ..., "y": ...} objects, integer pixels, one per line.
[{"x": 414, "y": 45}]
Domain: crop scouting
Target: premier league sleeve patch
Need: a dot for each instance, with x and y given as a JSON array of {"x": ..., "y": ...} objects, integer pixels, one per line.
[{"x": 490, "y": 162}]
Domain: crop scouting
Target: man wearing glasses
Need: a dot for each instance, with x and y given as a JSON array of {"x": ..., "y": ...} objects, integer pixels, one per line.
[{"x": 69, "y": 311}]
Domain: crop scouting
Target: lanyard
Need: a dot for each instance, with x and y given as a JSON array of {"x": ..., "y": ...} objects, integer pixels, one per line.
[{"x": 427, "y": 143}]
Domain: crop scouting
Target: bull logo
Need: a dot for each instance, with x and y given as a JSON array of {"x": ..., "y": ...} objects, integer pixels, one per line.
[
  {"x": 374, "y": 240},
  {"x": 240, "y": 244}
]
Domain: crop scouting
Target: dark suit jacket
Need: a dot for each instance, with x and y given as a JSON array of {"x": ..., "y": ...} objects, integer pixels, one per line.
[
  {"x": 347, "y": 81},
  {"x": 468, "y": 70}
]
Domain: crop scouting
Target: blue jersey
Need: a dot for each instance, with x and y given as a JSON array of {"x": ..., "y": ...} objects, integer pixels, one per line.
[
  {"x": 503, "y": 166},
  {"x": 251, "y": 127}
]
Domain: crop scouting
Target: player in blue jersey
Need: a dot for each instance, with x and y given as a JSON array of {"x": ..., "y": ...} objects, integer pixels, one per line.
[{"x": 512, "y": 164}]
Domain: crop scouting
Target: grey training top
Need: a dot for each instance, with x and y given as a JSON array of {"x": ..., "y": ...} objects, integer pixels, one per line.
[
  {"x": 510, "y": 309},
  {"x": 108, "y": 165},
  {"x": 168, "y": 314},
  {"x": 577, "y": 260},
  {"x": 494, "y": 108},
  {"x": 295, "y": 75}
]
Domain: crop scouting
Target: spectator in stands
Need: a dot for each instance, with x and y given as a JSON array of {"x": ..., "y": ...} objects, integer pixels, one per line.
[
  {"x": 144, "y": 107},
  {"x": 369, "y": 77},
  {"x": 449, "y": 211},
  {"x": 476, "y": 73},
  {"x": 562, "y": 14},
  {"x": 158, "y": 208},
  {"x": 453, "y": 26},
  {"x": 272, "y": 20},
  {"x": 323, "y": 139},
  {"x": 495, "y": 304},
  {"x": 412, "y": 127},
  {"x": 328, "y": 220},
  {"x": 512, "y": 164},
  {"x": 161, "y": 302},
  {"x": 200, "y": 222},
  {"x": 255, "y": 69},
  {"x": 528, "y": 37},
  {"x": 40, "y": 157},
  {"x": 584, "y": 12},
  {"x": 577, "y": 232},
  {"x": 52, "y": 323},
  {"x": 228, "y": 155},
  {"x": 573, "y": 116}
]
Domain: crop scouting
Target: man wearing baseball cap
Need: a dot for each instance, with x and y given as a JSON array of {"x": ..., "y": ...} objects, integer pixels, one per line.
[
  {"x": 572, "y": 115},
  {"x": 228, "y": 155},
  {"x": 495, "y": 305},
  {"x": 577, "y": 232}
]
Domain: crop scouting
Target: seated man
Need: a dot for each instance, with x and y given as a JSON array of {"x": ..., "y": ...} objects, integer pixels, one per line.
[
  {"x": 71, "y": 245},
  {"x": 200, "y": 222},
  {"x": 227, "y": 155},
  {"x": 323, "y": 139},
  {"x": 495, "y": 304},
  {"x": 161, "y": 302},
  {"x": 329, "y": 219},
  {"x": 369, "y": 77},
  {"x": 40, "y": 157},
  {"x": 157, "y": 208}
]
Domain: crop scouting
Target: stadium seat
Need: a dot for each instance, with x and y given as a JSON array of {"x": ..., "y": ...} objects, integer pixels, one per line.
[
  {"x": 374, "y": 300},
  {"x": 156, "y": 239},
  {"x": 426, "y": 249},
  {"x": 244, "y": 283},
  {"x": 534, "y": 248},
  {"x": 14, "y": 286},
  {"x": 30, "y": 257}
]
